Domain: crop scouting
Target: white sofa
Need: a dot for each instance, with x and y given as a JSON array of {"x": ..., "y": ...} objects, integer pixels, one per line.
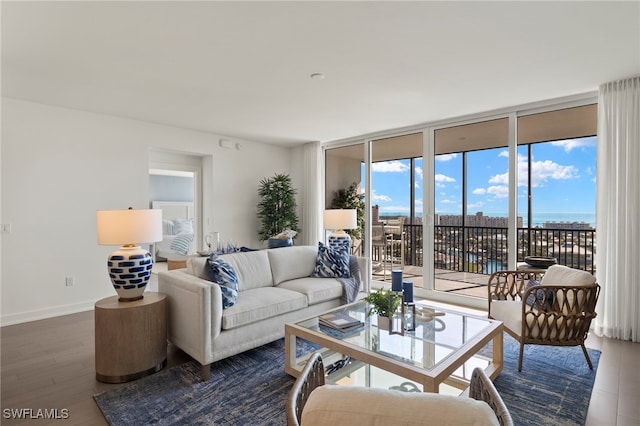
[{"x": 275, "y": 287}]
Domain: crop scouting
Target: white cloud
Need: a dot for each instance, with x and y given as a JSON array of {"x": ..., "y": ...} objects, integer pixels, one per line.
[
  {"x": 541, "y": 172},
  {"x": 394, "y": 166},
  {"x": 501, "y": 178},
  {"x": 479, "y": 191},
  {"x": 443, "y": 178},
  {"x": 394, "y": 208},
  {"x": 498, "y": 191},
  {"x": 448, "y": 201},
  {"x": 475, "y": 205},
  {"x": 570, "y": 144},
  {"x": 419, "y": 172},
  {"x": 446, "y": 157},
  {"x": 380, "y": 198}
]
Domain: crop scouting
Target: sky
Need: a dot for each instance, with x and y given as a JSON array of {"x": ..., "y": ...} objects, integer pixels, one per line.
[{"x": 563, "y": 181}]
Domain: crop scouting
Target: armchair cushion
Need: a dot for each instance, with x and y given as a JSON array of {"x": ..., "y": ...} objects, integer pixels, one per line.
[{"x": 563, "y": 275}]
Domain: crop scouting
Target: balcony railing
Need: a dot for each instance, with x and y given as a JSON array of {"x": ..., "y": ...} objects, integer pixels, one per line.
[{"x": 484, "y": 250}]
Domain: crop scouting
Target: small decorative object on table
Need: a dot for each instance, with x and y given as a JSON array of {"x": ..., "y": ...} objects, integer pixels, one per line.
[
  {"x": 283, "y": 239},
  {"x": 340, "y": 321},
  {"x": 408, "y": 307},
  {"x": 542, "y": 262},
  {"x": 382, "y": 303}
]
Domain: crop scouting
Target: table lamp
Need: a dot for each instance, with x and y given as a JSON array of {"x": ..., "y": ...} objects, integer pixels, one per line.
[
  {"x": 339, "y": 220},
  {"x": 130, "y": 266}
]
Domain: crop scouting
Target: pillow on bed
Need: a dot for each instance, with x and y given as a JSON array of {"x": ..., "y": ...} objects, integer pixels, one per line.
[
  {"x": 182, "y": 243},
  {"x": 167, "y": 227},
  {"x": 181, "y": 226}
]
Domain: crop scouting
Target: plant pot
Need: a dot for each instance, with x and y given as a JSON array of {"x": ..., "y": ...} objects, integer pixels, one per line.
[
  {"x": 279, "y": 242},
  {"x": 383, "y": 322}
]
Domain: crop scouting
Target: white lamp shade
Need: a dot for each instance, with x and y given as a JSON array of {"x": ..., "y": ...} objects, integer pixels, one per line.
[
  {"x": 340, "y": 219},
  {"x": 119, "y": 227}
]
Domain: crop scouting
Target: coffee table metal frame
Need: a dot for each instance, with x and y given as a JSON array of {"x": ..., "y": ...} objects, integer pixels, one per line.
[{"x": 429, "y": 378}]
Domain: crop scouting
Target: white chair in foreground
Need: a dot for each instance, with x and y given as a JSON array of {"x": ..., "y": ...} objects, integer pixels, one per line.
[{"x": 311, "y": 403}]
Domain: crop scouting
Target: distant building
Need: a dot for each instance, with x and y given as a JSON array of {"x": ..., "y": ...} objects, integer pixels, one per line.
[
  {"x": 566, "y": 225},
  {"x": 478, "y": 220}
]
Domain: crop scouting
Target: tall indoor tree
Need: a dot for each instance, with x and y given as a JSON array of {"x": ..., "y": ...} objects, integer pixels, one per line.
[{"x": 277, "y": 208}]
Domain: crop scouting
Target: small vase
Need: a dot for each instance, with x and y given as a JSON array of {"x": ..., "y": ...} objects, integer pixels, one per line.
[{"x": 383, "y": 322}]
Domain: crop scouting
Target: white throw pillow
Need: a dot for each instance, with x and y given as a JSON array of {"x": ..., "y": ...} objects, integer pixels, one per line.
[{"x": 563, "y": 275}]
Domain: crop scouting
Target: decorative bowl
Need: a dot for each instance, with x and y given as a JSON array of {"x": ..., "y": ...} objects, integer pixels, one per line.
[
  {"x": 279, "y": 242},
  {"x": 540, "y": 261}
]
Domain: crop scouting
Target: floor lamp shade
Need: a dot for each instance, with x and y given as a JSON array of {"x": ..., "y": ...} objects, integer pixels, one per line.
[
  {"x": 130, "y": 266},
  {"x": 339, "y": 220}
]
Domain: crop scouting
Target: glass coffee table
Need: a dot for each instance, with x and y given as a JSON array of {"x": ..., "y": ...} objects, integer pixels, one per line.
[{"x": 442, "y": 349}]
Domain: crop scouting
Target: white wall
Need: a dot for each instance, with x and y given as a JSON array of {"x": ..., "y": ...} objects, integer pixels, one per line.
[{"x": 60, "y": 165}]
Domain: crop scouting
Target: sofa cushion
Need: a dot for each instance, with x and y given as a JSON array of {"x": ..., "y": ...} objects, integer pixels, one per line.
[
  {"x": 288, "y": 263},
  {"x": 197, "y": 266},
  {"x": 252, "y": 268},
  {"x": 332, "y": 405},
  {"x": 261, "y": 303},
  {"x": 332, "y": 262},
  {"x": 223, "y": 274},
  {"x": 316, "y": 289}
]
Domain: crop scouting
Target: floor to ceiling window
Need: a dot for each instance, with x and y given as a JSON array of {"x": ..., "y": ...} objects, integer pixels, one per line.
[
  {"x": 538, "y": 165},
  {"x": 555, "y": 196}
]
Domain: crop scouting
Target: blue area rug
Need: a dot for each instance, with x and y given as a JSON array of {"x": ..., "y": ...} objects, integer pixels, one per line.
[{"x": 553, "y": 388}]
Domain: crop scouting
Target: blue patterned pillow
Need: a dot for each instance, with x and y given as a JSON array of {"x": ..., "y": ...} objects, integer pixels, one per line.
[
  {"x": 537, "y": 297},
  {"x": 332, "y": 262},
  {"x": 182, "y": 243},
  {"x": 223, "y": 274}
]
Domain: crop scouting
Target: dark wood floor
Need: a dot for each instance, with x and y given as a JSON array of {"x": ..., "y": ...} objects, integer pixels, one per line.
[{"x": 49, "y": 364}]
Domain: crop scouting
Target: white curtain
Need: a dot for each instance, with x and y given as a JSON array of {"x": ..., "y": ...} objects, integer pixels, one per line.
[
  {"x": 618, "y": 210},
  {"x": 312, "y": 200}
]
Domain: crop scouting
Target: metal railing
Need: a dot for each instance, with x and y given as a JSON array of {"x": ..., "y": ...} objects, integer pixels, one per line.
[{"x": 484, "y": 250}]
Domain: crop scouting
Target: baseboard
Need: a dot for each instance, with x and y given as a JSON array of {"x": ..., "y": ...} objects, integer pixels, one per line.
[{"x": 40, "y": 314}]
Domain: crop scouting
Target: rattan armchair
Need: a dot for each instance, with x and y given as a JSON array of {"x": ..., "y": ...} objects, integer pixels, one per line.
[
  {"x": 557, "y": 311},
  {"x": 312, "y": 376}
]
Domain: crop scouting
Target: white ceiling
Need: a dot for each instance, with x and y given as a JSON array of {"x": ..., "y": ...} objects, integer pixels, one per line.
[{"x": 242, "y": 69}]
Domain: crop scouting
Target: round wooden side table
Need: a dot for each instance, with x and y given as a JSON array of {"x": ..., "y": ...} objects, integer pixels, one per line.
[{"x": 131, "y": 337}]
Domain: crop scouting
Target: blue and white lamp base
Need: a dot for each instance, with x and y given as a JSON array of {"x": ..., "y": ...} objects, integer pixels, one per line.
[
  {"x": 130, "y": 271},
  {"x": 340, "y": 239}
]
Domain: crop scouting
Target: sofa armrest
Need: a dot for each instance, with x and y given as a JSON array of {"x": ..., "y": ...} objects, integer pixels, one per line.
[
  {"x": 365, "y": 268},
  {"x": 195, "y": 312}
]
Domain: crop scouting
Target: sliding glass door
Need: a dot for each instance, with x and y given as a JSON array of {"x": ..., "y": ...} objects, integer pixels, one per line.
[{"x": 451, "y": 204}]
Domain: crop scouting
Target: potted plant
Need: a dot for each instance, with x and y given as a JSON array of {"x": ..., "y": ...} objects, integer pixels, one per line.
[
  {"x": 351, "y": 198},
  {"x": 379, "y": 304},
  {"x": 277, "y": 209}
]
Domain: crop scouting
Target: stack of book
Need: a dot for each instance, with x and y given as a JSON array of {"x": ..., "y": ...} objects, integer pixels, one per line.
[{"x": 340, "y": 321}]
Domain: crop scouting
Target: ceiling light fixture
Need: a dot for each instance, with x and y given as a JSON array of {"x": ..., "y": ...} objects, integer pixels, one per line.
[{"x": 317, "y": 76}]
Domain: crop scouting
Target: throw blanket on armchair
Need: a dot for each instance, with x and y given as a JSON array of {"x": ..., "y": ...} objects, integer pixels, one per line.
[{"x": 351, "y": 285}]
